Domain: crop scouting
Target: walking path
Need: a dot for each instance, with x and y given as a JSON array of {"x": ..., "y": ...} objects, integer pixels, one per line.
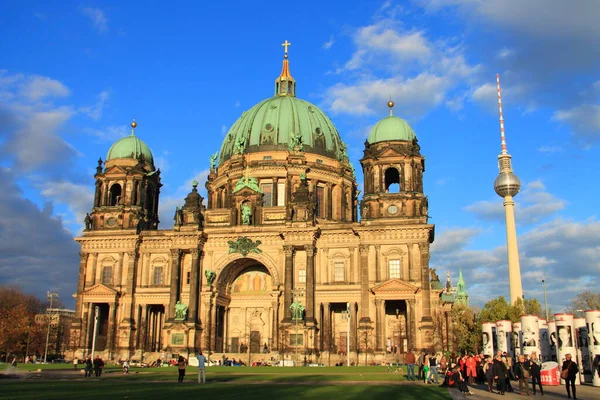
[{"x": 584, "y": 392}]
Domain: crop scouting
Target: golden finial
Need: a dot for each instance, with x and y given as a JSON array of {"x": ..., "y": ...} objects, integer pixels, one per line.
[
  {"x": 285, "y": 45},
  {"x": 390, "y": 104},
  {"x": 133, "y": 126}
]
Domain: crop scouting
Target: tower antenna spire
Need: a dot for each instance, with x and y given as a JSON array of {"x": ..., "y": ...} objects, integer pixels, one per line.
[{"x": 501, "y": 119}]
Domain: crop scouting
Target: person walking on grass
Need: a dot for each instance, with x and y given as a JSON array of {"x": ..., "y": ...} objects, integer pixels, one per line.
[
  {"x": 201, "y": 368},
  {"x": 181, "y": 363},
  {"x": 409, "y": 359}
]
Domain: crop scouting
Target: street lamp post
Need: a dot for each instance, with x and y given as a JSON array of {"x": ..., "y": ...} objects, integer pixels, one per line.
[
  {"x": 346, "y": 316},
  {"x": 50, "y": 296},
  {"x": 545, "y": 300}
]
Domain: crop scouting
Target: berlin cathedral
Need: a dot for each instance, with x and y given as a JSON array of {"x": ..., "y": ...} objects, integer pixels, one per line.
[{"x": 283, "y": 256}]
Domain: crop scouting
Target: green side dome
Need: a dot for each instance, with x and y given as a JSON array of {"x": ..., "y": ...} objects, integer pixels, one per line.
[
  {"x": 273, "y": 123},
  {"x": 130, "y": 147},
  {"x": 391, "y": 128}
]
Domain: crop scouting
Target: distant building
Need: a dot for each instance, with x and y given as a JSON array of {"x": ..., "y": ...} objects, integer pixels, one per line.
[{"x": 60, "y": 320}]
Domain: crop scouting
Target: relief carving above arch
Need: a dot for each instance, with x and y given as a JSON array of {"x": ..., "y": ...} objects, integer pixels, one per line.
[{"x": 221, "y": 265}]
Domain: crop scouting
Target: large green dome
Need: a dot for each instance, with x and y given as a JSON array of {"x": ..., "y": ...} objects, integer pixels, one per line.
[
  {"x": 130, "y": 147},
  {"x": 270, "y": 125},
  {"x": 391, "y": 128}
]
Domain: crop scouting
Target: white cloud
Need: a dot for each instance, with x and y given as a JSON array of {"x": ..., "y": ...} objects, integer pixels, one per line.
[
  {"x": 419, "y": 74},
  {"x": 95, "y": 111},
  {"x": 327, "y": 45},
  {"x": 550, "y": 149},
  {"x": 38, "y": 87},
  {"x": 78, "y": 197},
  {"x": 454, "y": 239},
  {"x": 534, "y": 204},
  {"x": 584, "y": 121},
  {"x": 413, "y": 96},
  {"x": 110, "y": 133},
  {"x": 97, "y": 17}
]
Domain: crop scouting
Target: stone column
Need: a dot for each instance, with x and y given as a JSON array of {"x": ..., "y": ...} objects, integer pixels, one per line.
[
  {"x": 411, "y": 322},
  {"x": 378, "y": 325},
  {"x": 175, "y": 284},
  {"x": 310, "y": 284},
  {"x": 377, "y": 261},
  {"x": 226, "y": 329},
  {"x": 119, "y": 272},
  {"x": 112, "y": 316},
  {"x": 86, "y": 331},
  {"x": 351, "y": 265},
  {"x": 142, "y": 325},
  {"x": 275, "y": 327},
  {"x": 364, "y": 284},
  {"x": 329, "y": 187},
  {"x": 326, "y": 339},
  {"x": 213, "y": 325},
  {"x": 424, "y": 248},
  {"x": 130, "y": 285},
  {"x": 289, "y": 280},
  {"x": 92, "y": 280},
  {"x": 353, "y": 326},
  {"x": 83, "y": 258},
  {"x": 194, "y": 282}
]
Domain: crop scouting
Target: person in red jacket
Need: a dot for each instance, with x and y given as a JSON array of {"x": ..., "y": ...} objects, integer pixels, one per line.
[{"x": 471, "y": 369}]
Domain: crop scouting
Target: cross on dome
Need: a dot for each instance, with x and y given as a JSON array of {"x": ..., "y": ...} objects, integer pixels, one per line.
[{"x": 285, "y": 45}]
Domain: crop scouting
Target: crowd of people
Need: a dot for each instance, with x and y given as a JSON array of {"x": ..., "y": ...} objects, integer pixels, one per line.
[{"x": 495, "y": 372}]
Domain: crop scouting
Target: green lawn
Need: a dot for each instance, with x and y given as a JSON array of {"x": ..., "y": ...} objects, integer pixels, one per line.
[{"x": 265, "y": 383}]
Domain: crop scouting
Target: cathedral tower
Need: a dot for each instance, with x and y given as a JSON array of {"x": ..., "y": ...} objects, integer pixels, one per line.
[
  {"x": 393, "y": 173},
  {"x": 127, "y": 189}
]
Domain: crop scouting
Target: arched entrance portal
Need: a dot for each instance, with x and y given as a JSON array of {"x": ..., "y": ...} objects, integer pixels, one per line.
[{"x": 245, "y": 308}]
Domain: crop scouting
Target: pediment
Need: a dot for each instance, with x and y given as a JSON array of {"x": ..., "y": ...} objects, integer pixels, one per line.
[
  {"x": 246, "y": 191},
  {"x": 100, "y": 290},
  {"x": 389, "y": 152},
  {"x": 394, "y": 285},
  {"x": 115, "y": 169}
]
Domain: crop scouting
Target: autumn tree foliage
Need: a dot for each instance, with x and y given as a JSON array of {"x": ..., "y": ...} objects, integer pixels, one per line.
[
  {"x": 17, "y": 322},
  {"x": 585, "y": 301}
]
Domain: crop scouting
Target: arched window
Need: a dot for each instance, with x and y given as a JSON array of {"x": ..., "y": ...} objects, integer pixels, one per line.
[
  {"x": 392, "y": 180},
  {"x": 114, "y": 195}
]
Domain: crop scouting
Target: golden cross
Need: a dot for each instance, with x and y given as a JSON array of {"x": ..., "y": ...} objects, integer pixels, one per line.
[{"x": 285, "y": 45}]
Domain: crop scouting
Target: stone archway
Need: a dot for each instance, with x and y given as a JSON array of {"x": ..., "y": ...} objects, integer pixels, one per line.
[{"x": 246, "y": 311}]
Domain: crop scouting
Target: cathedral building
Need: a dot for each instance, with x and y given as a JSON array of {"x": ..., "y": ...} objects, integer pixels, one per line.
[{"x": 282, "y": 257}]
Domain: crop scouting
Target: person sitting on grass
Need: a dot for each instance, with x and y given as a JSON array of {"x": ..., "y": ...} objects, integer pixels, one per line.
[{"x": 461, "y": 384}]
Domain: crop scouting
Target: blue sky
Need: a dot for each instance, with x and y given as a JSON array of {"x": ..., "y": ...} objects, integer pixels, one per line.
[{"x": 73, "y": 74}]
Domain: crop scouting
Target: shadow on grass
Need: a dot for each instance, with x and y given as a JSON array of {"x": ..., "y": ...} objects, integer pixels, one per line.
[{"x": 121, "y": 389}]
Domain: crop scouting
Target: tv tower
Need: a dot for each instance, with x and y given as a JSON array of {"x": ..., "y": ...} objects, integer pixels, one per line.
[{"x": 507, "y": 186}]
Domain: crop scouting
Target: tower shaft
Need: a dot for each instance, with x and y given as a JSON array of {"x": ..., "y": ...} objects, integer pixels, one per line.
[{"x": 514, "y": 267}]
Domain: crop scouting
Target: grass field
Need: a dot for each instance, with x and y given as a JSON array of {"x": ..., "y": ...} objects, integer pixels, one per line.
[{"x": 334, "y": 383}]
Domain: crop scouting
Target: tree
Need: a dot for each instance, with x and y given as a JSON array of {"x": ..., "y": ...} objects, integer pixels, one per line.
[
  {"x": 498, "y": 309},
  {"x": 466, "y": 329},
  {"x": 17, "y": 321},
  {"x": 587, "y": 300}
]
